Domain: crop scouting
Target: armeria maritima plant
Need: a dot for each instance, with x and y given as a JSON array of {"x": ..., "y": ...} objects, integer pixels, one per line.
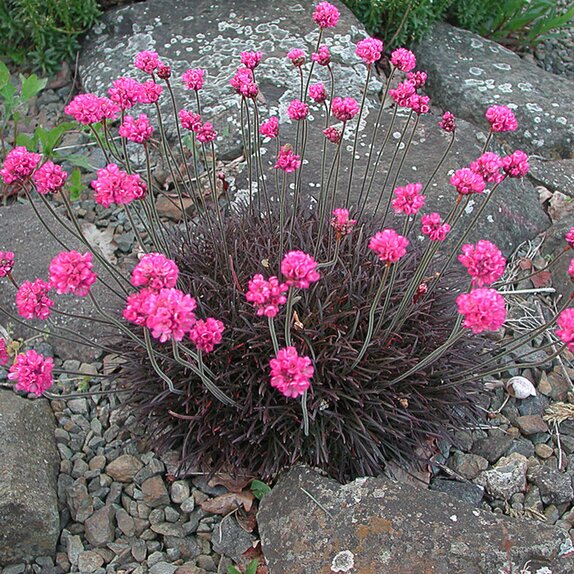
[{"x": 279, "y": 329}]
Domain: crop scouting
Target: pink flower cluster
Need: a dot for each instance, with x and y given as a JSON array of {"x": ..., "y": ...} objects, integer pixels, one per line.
[
  {"x": 170, "y": 314},
  {"x": 287, "y": 160},
  {"x": 291, "y": 374},
  {"x": 417, "y": 79},
  {"x": 515, "y": 164},
  {"x": 570, "y": 237},
  {"x": 420, "y": 104},
  {"x": 155, "y": 271},
  {"x": 448, "y": 122},
  {"x": 125, "y": 92},
  {"x": 488, "y": 166},
  {"x": 297, "y": 110},
  {"x": 190, "y": 120},
  {"x": 322, "y": 56},
  {"x": 147, "y": 61},
  {"x": 149, "y": 92},
  {"x": 326, "y": 15},
  {"x": 49, "y": 178},
  {"x": 566, "y": 332},
  {"x": 32, "y": 372},
  {"x": 270, "y": 127},
  {"x": 19, "y": 165},
  {"x": 91, "y": 109},
  {"x": 116, "y": 186},
  {"x": 484, "y": 262},
  {"x": 251, "y": 59},
  {"x": 297, "y": 57},
  {"x": 571, "y": 269},
  {"x": 501, "y": 119},
  {"x": 432, "y": 225},
  {"x": 299, "y": 269},
  {"x": 206, "y": 133},
  {"x": 71, "y": 272},
  {"x": 467, "y": 181},
  {"x": 403, "y": 59},
  {"x": 341, "y": 223},
  {"x": 333, "y": 134},
  {"x": 317, "y": 93},
  {"x": 206, "y": 334},
  {"x": 266, "y": 295},
  {"x": 32, "y": 300},
  {"x": 3, "y": 352},
  {"x": 409, "y": 199},
  {"x": 344, "y": 109},
  {"x": 369, "y": 50},
  {"x": 6, "y": 263},
  {"x": 193, "y": 79},
  {"x": 388, "y": 245},
  {"x": 483, "y": 310},
  {"x": 243, "y": 83},
  {"x": 403, "y": 93},
  {"x": 136, "y": 130}
]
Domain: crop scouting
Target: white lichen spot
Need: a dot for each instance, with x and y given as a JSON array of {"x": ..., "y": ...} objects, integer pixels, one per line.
[
  {"x": 344, "y": 561},
  {"x": 562, "y": 120},
  {"x": 396, "y": 135},
  {"x": 544, "y": 570},
  {"x": 476, "y": 512},
  {"x": 494, "y": 49},
  {"x": 537, "y": 120},
  {"x": 470, "y": 207},
  {"x": 454, "y": 518},
  {"x": 476, "y": 71},
  {"x": 534, "y": 108},
  {"x": 512, "y": 106},
  {"x": 505, "y": 88},
  {"x": 525, "y": 86},
  {"x": 476, "y": 44},
  {"x": 490, "y": 219},
  {"x": 504, "y": 67}
]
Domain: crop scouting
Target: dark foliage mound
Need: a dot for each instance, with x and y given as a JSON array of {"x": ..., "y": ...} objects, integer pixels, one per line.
[{"x": 359, "y": 418}]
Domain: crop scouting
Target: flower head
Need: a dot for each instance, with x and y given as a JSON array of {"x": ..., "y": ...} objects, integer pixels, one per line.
[
  {"x": 19, "y": 165},
  {"x": 6, "y": 263},
  {"x": 333, "y": 134},
  {"x": 483, "y": 310},
  {"x": 403, "y": 59},
  {"x": 417, "y": 79},
  {"x": 32, "y": 300},
  {"x": 341, "y": 223},
  {"x": 266, "y": 295},
  {"x": 432, "y": 225},
  {"x": 170, "y": 314},
  {"x": 297, "y": 110},
  {"x": 297, "y": 57},
  {"x": 3, "y": 352},
  {"x": 515, "y": 164},
  {"x": 488, "y": 166},
  {"x": 369, "y": 50},
  {"x": 206, "y": 334},
  {"x": 322, "y": 56},
  {"x": 467, "y": 181},
  {"x": 138, "y": 306},
  {"x": 243, "y": 83},
  {"x": 251, "y": 59},
  {"x": 149, "y": 92},
  {"x": 125, "y": 92},
  {"x": 571, "y": 269},
  {"x": 91, "y": 109},
  {"x": 287, "y": 160},
  {"x": 49, "y": 178},
  {"x": 566, "y": 332},
  {"x": 193, "y": 79},
  {"x": 32, "y": 372},
  {"x": 403, "y": 93},
  {"x": 484, "y": 262},
  {"x": 270, "y": 127},
  {"x": 326, "y": 15},
  {"x": 155, "y": 271},
  {"x": 299, "y": 269},
  {"x": 163, "y": 72},
  {"x": 317, "y": 93},
  {"x": 190, "y": 120},
  {"x": 116, "y": 186},
  {"x": 344, "y": 109},
  {"x": 388, "y": 245},
  {"x": 138, "y": 131},
  {"x": 448, "y": 122},
  {"x": 570, "y": 237},
  {"x": 291, "y": 374},
  {"x": 408, "y": 199},
  {"x": 71, "y": 272},
  {"x": 419, "y": 104},
  {"x": 501, "y": 119},
  {"x": 147, "y": 61},
  {"x": 206, "y": 133}
]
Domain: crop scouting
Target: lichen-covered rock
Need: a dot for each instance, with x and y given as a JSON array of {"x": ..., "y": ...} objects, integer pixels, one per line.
[
  {"x": 507, "y": 477},
  {"x": 312, "y": 525}
]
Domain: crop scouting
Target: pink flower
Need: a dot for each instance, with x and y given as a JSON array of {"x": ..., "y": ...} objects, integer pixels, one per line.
[
  {"x": 322, "y": 56},
  {"x": 243, "y": 83},
  {"x": 433, "y": 227},
  {"x": 409, "y": 199},
  {"x": 488, "y": 166},
  {"x": 32, "y": 300},
  {"x": 3, "y": 353},
  {"x": 448, "y": 122},
  {"x": 501, "y": 119},
  {"x": 19, "y": 165},
  {"x": 297, "y": 110},
  {"x": 317, "y": 93},
  {"x": 419, "y": 104},
  {"x": 570, "y": 237},
  {"x": 571, "y": 269},
  {"x": 150, "y": 92},
  {"x": 344, "y": 109},
  {"x": 206, "y": 133},
  {"x": 170, "y": 314},
  {"x": 49, "y": 178},
  {"x": 155, "y": 271},
  {"x": 193, "y": 79},
  {"x": 138, "y": 131},
  {"x": 138, "y": 306},
  {"x": 266, "y": 295},
  {"x": 251, "y": 59},
  {"x": 71, "y": 272},
  {"x": 484, "y": 262},
  {"x": 91, "y": 109},
  {"x": 147, "y": 61},
  {"x": 566, "y": 332},
  {"x": 270, "y": 128},
  {"x": 125, "y": 92},
  {"x": 333, "y": 134},
  {"x": 369, "y": 50},
  {"x": 6, "y": 263},
  {"x": 403, "y": 59},
  {"x": 206, "y": 334},
  {"x": 297, "y": 57},
  {"x": 388, "y": 245},
  {"x": 417, "y": 79},
  {"x": 466, "y": 181},
  {"x": 287, "y": 160},
  {"x": 326, "y": 15},
  {"x": 290, "y": 373},
  {"x": 116, "y": 186},
  {"x": 299, "y": 269},
  {"x": 403, "y": 93},
  {"x": 341, "y": 223},
  {"x": 190, "y": 120},
  {"x": 515, "y": 164},
  {"x": 483, "y": 310},
  {"x": 163, "y": 72},
  {"x": 32, "y": 372}
]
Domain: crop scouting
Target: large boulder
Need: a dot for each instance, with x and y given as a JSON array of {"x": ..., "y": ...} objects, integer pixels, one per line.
[
  {"x": 468, "y": 73},
  {"x": 312, "y": 525},
  {"x": 28, "y": 479}
]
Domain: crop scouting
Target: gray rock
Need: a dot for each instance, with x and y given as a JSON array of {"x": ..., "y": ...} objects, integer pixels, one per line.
[
  {"x": 531, "y": 424},
  {"x": 99, "y": 527},
  {"x": 15, "y": 569},
  {"x": 468, "y": 73},
  {"x": 168, "y": 529},
  {"x": 155, "y": 492},
  {"x": 188, "y": 505},
  {"x": 555, "y": 487},
  {"x": 465, "y": 491},
  {"x": 493, "y": 446},
  {"x": 163, "y": 568},
  {"x": 74, "y": 548},
  {"x": 467, "y": 465},
  {"x": 124, "y": 468},
  {"x": 80, "y": 503},
  {"x": 506, "y": 478},
  {"x": 187, "y": 547},
  {"x": 231, "y": 540},
  {"x": 179, "y": 491},
  {"x": 555, "y": 175},
  {"x": 553, "y": 244},
  {"x": 28, "y": 479},
  {"x": 125, "y": 522},
  {"x": 375, "y": 525},
  {"x": 521, "y": 446},
  {"x": 152, "y": 468},
  {"x": 89, "y": 561}
]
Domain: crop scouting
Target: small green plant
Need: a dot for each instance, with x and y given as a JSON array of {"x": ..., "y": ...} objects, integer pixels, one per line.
[
  {"x": 251, "y": 568},
  {"x": 43, "y": 33},
  {"x": 259, "y": 489}
]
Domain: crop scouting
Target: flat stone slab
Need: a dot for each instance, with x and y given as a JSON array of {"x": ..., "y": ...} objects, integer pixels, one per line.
[
  {"x": 29, "y": 464},
  {"x": 468, "y": 73},
  {"x": 312, "y": 525}
]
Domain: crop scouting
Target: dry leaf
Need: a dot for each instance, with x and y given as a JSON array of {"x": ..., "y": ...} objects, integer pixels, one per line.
[
  {"x": 560, "y": 207},
  {"x": 525, "y": 264},
  {"x": 541, "y": 279},
  {"x": 227, "y": 503},
  {"x": 248, "y": 520},
  {"x": 232, "y": 483},
  {"x": 101, "y": 239}
]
